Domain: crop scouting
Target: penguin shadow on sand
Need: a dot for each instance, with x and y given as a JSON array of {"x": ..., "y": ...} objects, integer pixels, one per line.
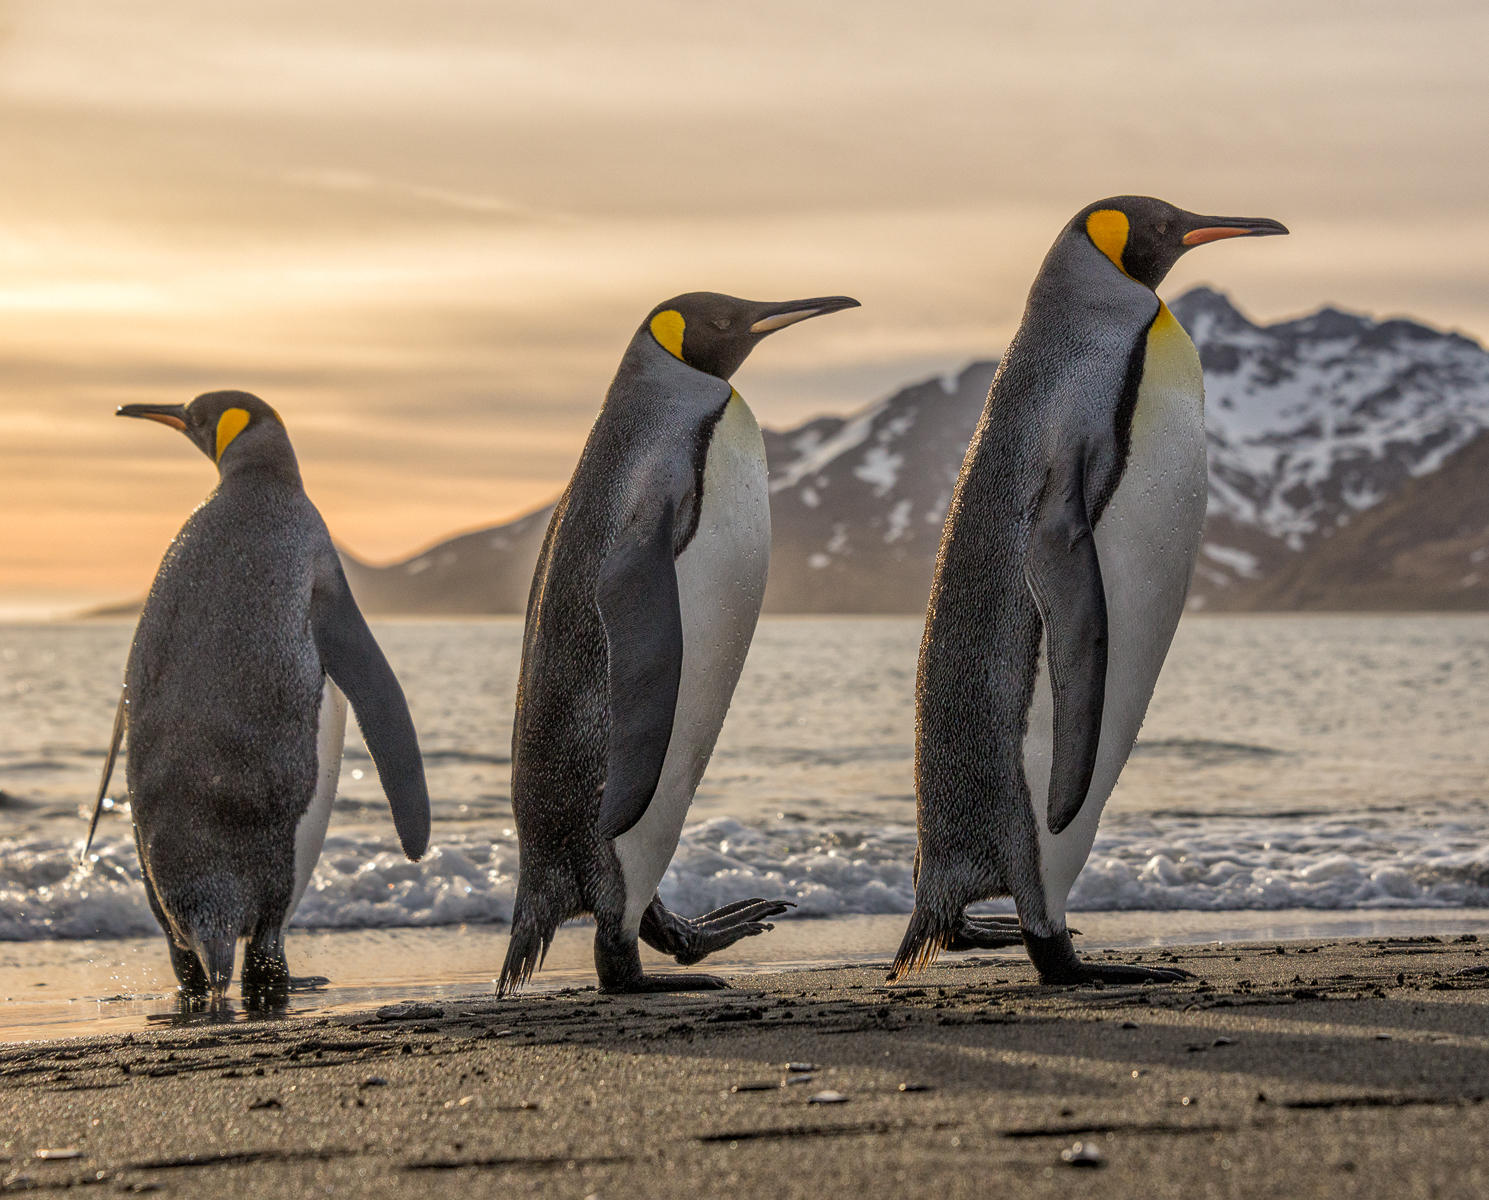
[
  {"x": 1357, "y": 1035},
  {"x": 645, "y": 598},
  {"x": 233, "y": 708}
]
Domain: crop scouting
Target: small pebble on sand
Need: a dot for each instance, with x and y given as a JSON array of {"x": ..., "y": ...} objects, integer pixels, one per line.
[{"x": 1083, "y": 1154}]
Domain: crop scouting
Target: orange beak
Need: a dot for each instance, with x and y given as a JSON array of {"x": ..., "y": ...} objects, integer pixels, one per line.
[
  {"x": 1214, "y": 229},
  {"x": 173, "y": 415},
  {"x": 1198, "y": 237}
]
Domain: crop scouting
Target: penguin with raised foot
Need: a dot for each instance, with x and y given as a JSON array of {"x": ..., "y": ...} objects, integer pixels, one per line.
[
  {"x": 642, "y": 607},
  {"x": 247, "y": 651},
  {"x": 1062, "y": 572}
]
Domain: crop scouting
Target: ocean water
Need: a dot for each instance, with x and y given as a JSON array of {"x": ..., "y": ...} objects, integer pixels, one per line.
[{"x": 1289, "y": 764}]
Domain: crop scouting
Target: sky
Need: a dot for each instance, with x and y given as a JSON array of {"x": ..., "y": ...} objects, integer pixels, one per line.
[{"x": 425, "y": 232}]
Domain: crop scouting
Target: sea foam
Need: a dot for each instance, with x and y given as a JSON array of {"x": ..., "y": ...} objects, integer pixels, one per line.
[{"x": 1149, "y": 861}]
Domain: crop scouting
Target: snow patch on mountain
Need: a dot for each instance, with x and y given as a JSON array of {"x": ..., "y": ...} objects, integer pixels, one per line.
[
  {"x": 1313, "y": 419},
  {"x": 814, "y": 452}
]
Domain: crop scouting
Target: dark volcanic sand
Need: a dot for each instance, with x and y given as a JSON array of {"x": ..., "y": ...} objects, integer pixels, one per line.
[{"x": 1311, "y": 1069}]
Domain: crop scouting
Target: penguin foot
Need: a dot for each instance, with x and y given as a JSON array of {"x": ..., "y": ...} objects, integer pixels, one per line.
[
  {"x": 665, "y": 983},
  {"x": 985, "y": 933},
  {"x": 266, "y": 974},
  {"x": 1055, "y": 960},
  {"x": 189, "y": 974},
  {"x": 618, "y": 964},
  {"x": 692, "y": 939},
  {"x": 1089, "y": 972},
  {"x": 989, "y": 933}
]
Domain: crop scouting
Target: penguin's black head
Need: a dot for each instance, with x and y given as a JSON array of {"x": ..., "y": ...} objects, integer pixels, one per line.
[
  {"x": 230, "y": 428},
  {"x": 715, "y": 333},
  {"x": 1144, "y": 237}
]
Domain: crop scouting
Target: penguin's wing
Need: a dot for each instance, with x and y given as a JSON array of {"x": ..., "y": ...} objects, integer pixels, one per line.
[
  {"x": 121, "y": 719},
  {"x": 642, "y": 615},
  {"x": 1065, "y": 576},
  {"x": 352, "y": 658}
]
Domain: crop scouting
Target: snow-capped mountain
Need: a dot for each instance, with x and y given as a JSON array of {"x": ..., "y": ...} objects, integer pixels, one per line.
[
  {"x": 1313, "y": 422},
  {"x": 857, "y": 503},
  {"x": 488, "y": 571},
  {"x": 1424, "y": 546}
]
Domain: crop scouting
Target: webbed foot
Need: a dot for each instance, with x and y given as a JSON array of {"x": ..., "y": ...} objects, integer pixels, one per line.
[
  {"x": 1055, "y": 960},
  {"x": 194, "y": 987},
  {"x": 618, "y": 964},
  {"x": 266, "y": 974},
  {"x": 692, "y": 939},
  {"x": 986, "y": 933},
  {"x": 665, "y": 983}
]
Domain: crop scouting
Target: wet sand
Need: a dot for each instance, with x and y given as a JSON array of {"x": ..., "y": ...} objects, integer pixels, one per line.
[{"x": 1294, "y": 1069}]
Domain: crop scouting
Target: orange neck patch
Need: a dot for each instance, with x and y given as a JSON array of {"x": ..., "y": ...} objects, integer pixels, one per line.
[
  {"x": 1108, "y": 229},
  {"x": 230, "y": 425},
  {"x": 668, "y": 327}
]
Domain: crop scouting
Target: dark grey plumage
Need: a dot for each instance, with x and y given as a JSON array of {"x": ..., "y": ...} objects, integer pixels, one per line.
[
  {"x": 603, "y": 649},
  {"x": 247, "y": 616},
  {"x": 1018, "y": 560}
]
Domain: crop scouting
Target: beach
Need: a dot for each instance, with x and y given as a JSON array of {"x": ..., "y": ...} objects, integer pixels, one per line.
[
  {"x": 1286, "y": 793},
  {"x": 1288, "y": 1069}
]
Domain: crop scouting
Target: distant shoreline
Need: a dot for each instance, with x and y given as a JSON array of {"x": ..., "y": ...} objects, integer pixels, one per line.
[{"x": 130, "y": 611}]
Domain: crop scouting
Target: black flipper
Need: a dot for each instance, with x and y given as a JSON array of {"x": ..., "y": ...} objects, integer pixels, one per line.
[
  {"x": 643, "y": 636},
  {"x": 354, "y": 661},
  {"x": 1065, "y": 577},
  {"x": 121, "y": 719}
]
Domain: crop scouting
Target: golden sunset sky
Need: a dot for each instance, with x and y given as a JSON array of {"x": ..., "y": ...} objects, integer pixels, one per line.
[{"x": 425, "y": 231}]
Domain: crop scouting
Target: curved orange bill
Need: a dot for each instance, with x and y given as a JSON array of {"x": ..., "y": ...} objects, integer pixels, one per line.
[
  {"x": 771, "y": 317},
  {"x": 173, "y": 415},
  {"x": 1216, "y": 228}
]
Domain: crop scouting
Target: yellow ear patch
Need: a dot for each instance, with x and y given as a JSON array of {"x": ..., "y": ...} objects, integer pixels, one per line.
[
  {"x": 230, "y": 425},
  {"x": 1108, "y": 229},
  {"x": 667, "y": 327}
]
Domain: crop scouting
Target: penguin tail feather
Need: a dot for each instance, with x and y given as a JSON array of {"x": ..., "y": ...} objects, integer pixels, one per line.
[
  {"x": 924, "y": 939},
  {"x": 527, "y": 947}
]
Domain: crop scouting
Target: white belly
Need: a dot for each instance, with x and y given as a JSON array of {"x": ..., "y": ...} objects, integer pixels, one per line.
[
  {"x": 721, "y": 583},
  {"x": 1146, "y": 542},
  {"x": 310, "y": 833}
]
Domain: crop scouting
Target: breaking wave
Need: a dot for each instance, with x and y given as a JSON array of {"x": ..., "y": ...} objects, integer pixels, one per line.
[{"x": 1148, "y": 861}]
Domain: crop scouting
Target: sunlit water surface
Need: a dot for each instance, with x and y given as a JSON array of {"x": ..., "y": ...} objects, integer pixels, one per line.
[{"x": 1295, "y": 774}]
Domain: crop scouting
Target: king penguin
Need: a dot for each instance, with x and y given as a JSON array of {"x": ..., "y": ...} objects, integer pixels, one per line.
[
  {"x": 1064, "y": 563},
  {"x": 234, "y": 704},
  {"x": 643, "y": 604}
]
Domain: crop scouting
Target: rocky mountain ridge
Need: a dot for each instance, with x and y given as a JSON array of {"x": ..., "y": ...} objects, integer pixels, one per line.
[{"x": 1314, "y": 425}]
